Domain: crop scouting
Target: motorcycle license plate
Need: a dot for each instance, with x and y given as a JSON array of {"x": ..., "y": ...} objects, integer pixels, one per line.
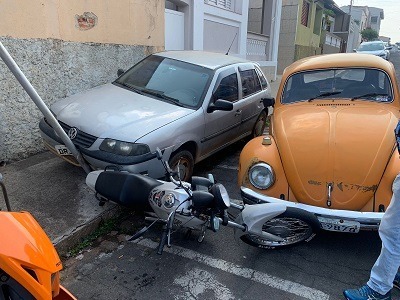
[
  {"x": 339, "y": 225},
  {"x": 62, "y": 150}
]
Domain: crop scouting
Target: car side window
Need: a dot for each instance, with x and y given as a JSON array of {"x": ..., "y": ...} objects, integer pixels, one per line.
[
  {"x": 263, "y": 80},
  {"x": 228, "y": 89},
  {"x": 250, "y": 82}
]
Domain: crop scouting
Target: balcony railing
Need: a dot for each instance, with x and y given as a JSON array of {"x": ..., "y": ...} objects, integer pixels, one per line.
[
  {"x": 257, "y": 47},
  {"x": 225, "y": 4},
  {"x": 333, "y": 40}
]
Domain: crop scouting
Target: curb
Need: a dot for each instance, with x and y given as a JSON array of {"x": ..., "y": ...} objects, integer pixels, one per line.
[{"x": 67, "y": 241}]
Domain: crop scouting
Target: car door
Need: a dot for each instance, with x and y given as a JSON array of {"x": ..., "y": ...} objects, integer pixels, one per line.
[
  {"x": 221, "y": 126},
  {"x": 251, "y": 103}
]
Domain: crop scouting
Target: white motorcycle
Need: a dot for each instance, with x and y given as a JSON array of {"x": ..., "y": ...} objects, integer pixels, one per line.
[{"x": 200, "y": 205}]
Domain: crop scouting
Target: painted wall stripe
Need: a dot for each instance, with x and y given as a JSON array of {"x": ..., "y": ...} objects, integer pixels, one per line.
[{"x": 256, "y": 276}]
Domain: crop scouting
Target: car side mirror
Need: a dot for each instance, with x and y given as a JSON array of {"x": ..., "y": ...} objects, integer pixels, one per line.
[
  {"x": 270, "y": 101},
  {"x": 389, "y": 48},
  {"x": 220, "y": 105},
  {"x": 120, "y": 72}
]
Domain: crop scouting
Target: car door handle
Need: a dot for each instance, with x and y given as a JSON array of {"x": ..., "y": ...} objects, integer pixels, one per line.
[{"x": 238, "y": 112}]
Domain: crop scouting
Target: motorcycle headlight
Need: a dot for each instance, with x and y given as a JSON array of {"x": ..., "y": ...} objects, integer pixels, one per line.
[
  {"x": 124, "y": 148},
  {"x": 261, "y": 176}
]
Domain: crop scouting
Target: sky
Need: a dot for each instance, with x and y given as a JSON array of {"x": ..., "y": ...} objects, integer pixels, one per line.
[{"x": 390, "y": 25}]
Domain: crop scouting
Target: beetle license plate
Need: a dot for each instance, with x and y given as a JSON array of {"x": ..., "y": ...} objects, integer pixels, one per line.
[
  {"x": 62, "y": 150},
  {"x": 339, "y": 225}
]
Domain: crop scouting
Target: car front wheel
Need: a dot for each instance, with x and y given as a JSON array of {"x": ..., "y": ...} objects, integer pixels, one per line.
[{"x": 183, "y": 159}]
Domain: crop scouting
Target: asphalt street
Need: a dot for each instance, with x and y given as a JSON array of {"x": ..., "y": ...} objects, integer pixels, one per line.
[{"x": 220, "y": 267}]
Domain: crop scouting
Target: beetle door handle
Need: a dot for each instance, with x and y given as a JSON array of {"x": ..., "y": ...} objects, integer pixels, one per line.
[{"x": 238, "y": 112}]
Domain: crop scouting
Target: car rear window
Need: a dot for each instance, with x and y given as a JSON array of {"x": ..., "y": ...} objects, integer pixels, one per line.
[{"x": 346, "y": 83}]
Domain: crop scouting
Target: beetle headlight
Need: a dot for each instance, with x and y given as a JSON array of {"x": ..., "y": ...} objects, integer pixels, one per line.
[
  {"x": 261, "y": 176},
  {"x": 124, "y": 148}
]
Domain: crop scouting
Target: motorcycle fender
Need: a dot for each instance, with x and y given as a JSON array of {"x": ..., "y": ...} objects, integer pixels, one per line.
[{"x": 253, "y": 217}]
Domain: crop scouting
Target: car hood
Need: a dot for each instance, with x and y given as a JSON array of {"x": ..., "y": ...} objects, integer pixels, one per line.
[
  {"x": 346, "y": 146},
  {"x": 109, "y": 111},
  {"x": 375, "y": 52}
]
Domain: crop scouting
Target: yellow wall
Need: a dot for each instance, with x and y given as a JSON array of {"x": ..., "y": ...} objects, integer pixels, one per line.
[
  {"x": 305, "y": 35},
  {"x": 130, "y": 22}
]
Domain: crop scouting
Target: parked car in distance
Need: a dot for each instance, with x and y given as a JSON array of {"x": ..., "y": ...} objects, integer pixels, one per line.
[
  {"x": 331, "y": 151},
  {"x": 189, "y": 104},
  {"x": 377, "y": 48}
]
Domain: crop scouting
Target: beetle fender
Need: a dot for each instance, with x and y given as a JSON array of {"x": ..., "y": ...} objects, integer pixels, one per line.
[{"x": 256, "y": 151}]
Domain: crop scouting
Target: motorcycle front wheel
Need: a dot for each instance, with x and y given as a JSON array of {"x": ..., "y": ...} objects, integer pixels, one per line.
[{"x": 293, "y": 226}]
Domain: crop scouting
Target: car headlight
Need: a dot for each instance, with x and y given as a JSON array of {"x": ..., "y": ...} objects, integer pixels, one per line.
[
  {"x": 261, "y": 176},
  {"x": 124, "y": 148}
]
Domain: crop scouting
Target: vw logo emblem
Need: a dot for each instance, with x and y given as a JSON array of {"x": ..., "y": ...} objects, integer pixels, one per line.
[{"x": 72, "y": 133}]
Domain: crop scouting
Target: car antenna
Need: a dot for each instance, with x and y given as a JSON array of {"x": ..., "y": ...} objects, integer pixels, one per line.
[{"x": 227, "y": 52}]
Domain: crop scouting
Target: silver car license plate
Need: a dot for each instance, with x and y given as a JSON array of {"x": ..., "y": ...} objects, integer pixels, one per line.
[{"x": 62, "y": 150}]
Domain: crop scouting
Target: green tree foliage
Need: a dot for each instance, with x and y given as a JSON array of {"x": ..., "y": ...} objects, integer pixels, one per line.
[{"x": 369, "y": 34}]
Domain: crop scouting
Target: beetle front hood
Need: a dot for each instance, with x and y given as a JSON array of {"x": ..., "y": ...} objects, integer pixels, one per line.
[
  {"x": 345, "y": 145},
  {"x": 109, "y": 111}
]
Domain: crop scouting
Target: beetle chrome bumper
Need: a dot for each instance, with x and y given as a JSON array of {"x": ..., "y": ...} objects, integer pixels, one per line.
[{"x": 367, "y": 220}]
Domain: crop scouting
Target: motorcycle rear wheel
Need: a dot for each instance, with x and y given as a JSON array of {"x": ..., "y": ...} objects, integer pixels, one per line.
[{"x": 294, "y": 226}]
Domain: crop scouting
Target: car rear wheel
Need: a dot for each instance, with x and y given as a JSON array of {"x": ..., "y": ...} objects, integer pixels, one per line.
[
  {"x": 186, "y": 164},
  {"x": 259, "y": 127}
]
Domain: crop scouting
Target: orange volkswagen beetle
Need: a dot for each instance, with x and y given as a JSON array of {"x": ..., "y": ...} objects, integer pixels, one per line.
[{"x": 331, "y": 149}]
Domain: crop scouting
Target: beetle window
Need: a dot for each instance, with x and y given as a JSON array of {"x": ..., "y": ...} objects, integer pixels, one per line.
[
  {"x": 351, "y": 83},
  {"x": 228, "y": 89},
  {"x": 250, "y": 82}
]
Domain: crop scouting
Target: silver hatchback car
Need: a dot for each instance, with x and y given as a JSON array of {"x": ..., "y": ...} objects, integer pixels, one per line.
[{"x": 190, "y": 104}]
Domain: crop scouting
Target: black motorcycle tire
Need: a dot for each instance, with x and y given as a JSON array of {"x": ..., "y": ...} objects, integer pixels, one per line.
[{"x": 308, "y": 227}]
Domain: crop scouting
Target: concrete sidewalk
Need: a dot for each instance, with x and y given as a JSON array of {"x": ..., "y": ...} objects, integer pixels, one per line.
[{"x": 55, "y": 193}]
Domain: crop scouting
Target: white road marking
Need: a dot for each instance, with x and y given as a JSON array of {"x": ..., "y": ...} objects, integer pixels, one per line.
[
  {"x": 256, "y": 276},
  {"x": 227, "y": 167},
  {"x": 198, "y": 281}
]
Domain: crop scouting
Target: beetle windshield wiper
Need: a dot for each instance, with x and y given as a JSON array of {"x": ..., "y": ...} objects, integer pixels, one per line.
[
  {"x": 369, "y": 95},
  {"x": 161, "y": 95},
  {"x": 323, "y": 95}
]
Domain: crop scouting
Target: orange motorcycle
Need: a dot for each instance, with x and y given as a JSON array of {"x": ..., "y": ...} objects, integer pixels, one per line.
[{"x": 29, "y": 264}]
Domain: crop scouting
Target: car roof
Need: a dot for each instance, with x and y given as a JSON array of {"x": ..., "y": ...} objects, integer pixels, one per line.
[
  {"x": 372, "y": 42},
  {"x": 338, "y": 60},
  {"x": 210, "y": 60}
]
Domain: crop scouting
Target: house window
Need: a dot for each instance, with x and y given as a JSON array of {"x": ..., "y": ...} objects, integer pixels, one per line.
[
  {"x": 304, "y": 13},
  {"x": 374, "y": 20}
]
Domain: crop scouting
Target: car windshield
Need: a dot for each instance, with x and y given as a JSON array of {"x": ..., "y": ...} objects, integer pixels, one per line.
[
  {"x": 371, "y": 47},
  {"x": 350, "y": 84},
  {"x": 169, "y": 80}
]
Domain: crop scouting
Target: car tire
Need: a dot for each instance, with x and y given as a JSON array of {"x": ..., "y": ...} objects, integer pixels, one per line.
[
  {"x": 186, "y": 163},
  {"x": 259, "y": 126}
]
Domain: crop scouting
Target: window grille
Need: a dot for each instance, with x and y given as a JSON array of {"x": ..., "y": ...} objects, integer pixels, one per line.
[
  {"x": 226, "y": 4},
  {"x": 304, "y": 13}
]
